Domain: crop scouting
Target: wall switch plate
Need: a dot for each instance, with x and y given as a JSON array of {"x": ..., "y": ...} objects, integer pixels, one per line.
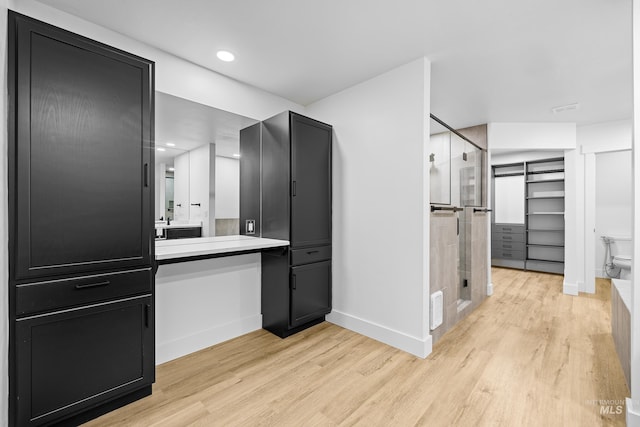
[{"x": 250, "y": 226}]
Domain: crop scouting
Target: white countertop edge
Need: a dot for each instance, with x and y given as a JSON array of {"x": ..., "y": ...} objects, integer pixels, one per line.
[
  {"x": 183, "y": 248},
  {"x": 624, "y": 290}
]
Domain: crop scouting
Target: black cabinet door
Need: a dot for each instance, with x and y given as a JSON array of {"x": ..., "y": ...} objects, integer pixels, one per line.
[
  {"x": 310, "y": 182},
  {"x": 70, "y": 360},
  {"x": 310, "y": 292},
  {"x": 82, "y": 139}
]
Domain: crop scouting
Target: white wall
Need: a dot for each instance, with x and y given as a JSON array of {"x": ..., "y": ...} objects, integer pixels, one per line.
[
  {"x": 227, "y": 187},
  {"x": 606, "y": 136},
  {"x": 181, "y": 177},
  {"x": 4, "y": 228},
  {"x": 633, "y": 406},
  {"x": 595, "y": 140},
  {"x": 203, "y": 303},
  {"x": 526, "y": 136},
  {"x": 613, "y": 202},
  {"x": 380, "y": 200},
  {"x": 574, "y": 254},
  {"x": 160, "y": 191},
  {"x": 202, "y": 188}
]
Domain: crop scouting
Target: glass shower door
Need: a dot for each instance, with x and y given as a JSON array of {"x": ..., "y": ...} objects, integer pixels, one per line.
[
  {"x": 466, "y": 167},
  {"x": 440, "y": 168}
]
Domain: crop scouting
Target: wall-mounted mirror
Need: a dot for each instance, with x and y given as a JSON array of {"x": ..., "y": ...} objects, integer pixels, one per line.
[{"x": 196, "y": 169}]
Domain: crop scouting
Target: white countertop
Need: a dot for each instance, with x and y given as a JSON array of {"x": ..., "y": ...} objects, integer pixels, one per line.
[
  {"x": 624, "y": 289},
  {"x": 182, "y": 248}
]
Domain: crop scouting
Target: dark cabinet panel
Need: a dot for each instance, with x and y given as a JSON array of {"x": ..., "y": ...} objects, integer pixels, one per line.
[
  {"x": 250, "y": 178},
  {"x": 310, "y": 182},
  {"x": 82, "y": 355},
  {"x": 310, "y": 292},
  {"x": 276, "y": 177},
  {"x": 83, "y": 130},
  {"x": 275, "y": 291}
]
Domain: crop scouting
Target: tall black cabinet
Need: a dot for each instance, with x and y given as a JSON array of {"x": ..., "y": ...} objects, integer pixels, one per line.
[
  {"x": 81, "y": 278},
  {"x": 296, "y": 206}
]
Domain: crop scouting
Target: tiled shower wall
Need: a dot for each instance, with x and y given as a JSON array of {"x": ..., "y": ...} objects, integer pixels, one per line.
[{"x": 444, "y": 269}]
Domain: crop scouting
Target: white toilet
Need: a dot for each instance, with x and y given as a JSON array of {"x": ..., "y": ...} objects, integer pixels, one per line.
[{"x": 621, "y": 251}]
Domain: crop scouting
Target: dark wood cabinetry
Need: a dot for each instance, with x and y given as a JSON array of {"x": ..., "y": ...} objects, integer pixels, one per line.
[
  {"x": 295, "y": 195},
  {"x": 250, "y": 178},
  {"x": 80, "y": 217},
  {"x": 82, "y": 357}
]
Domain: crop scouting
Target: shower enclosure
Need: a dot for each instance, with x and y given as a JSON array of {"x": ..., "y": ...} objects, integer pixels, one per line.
[{"x": 457, "y": 185}]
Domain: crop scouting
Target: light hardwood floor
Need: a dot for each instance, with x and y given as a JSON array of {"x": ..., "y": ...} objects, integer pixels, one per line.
[{"x": 528, "y": 356}]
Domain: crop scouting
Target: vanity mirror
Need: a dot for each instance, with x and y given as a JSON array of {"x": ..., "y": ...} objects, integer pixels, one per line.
[{"x": 197, "y": 168}]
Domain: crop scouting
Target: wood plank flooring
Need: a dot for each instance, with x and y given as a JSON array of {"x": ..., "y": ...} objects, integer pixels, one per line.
[{"x": 528, "y": 356}]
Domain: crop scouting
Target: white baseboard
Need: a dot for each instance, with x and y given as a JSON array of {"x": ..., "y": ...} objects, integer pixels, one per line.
[
  {"x": 570, "y": 288},
  {"x": 633, "y": 413},
  {"x": 489, "y": 289},
  {"x": 400, "y": 340},
  {"x": 181, "y": 347}
]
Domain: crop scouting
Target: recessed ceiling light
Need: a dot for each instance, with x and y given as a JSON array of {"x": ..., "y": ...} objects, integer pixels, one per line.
[
  {"x": 172, "y": 169},
  {"x": 225, "y": 55},
  {"x": 161, "y": 149},
  {"x": 236, "y": 155},
  {"x": 170, "y": 144}
]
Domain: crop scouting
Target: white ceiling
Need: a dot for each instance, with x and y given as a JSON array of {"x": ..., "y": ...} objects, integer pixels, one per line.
[{"x": 492, "y": 60}]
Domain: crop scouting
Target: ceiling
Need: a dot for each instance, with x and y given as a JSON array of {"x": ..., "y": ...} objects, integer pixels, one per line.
[{"x": 492, "y": 60}]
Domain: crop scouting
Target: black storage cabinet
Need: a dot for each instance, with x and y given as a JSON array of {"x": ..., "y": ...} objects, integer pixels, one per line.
[
  {"x": 296, "y": 206},
  {"x": 81, "y": 257}
]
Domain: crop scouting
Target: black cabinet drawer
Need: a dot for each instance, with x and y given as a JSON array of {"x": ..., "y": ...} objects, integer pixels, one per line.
[
  {"x": 183, "y": 232},
  {"x": 511, "y": 237},
  {"x": 507, "y": 254},
  {"x": 508, "y": 228},
  {"x": 55, "y": 294},
  {"x": 309, "y": 255},
  {"x": 508, "y": 245}
]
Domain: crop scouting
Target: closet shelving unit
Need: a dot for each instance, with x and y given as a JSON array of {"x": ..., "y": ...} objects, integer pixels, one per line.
[
  {"x": 545, "y": 215},
  {"x": 508, "y": 246}
]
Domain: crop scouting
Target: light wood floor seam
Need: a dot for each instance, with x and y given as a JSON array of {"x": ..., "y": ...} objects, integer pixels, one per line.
[{"x": 528, "y": 356}]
